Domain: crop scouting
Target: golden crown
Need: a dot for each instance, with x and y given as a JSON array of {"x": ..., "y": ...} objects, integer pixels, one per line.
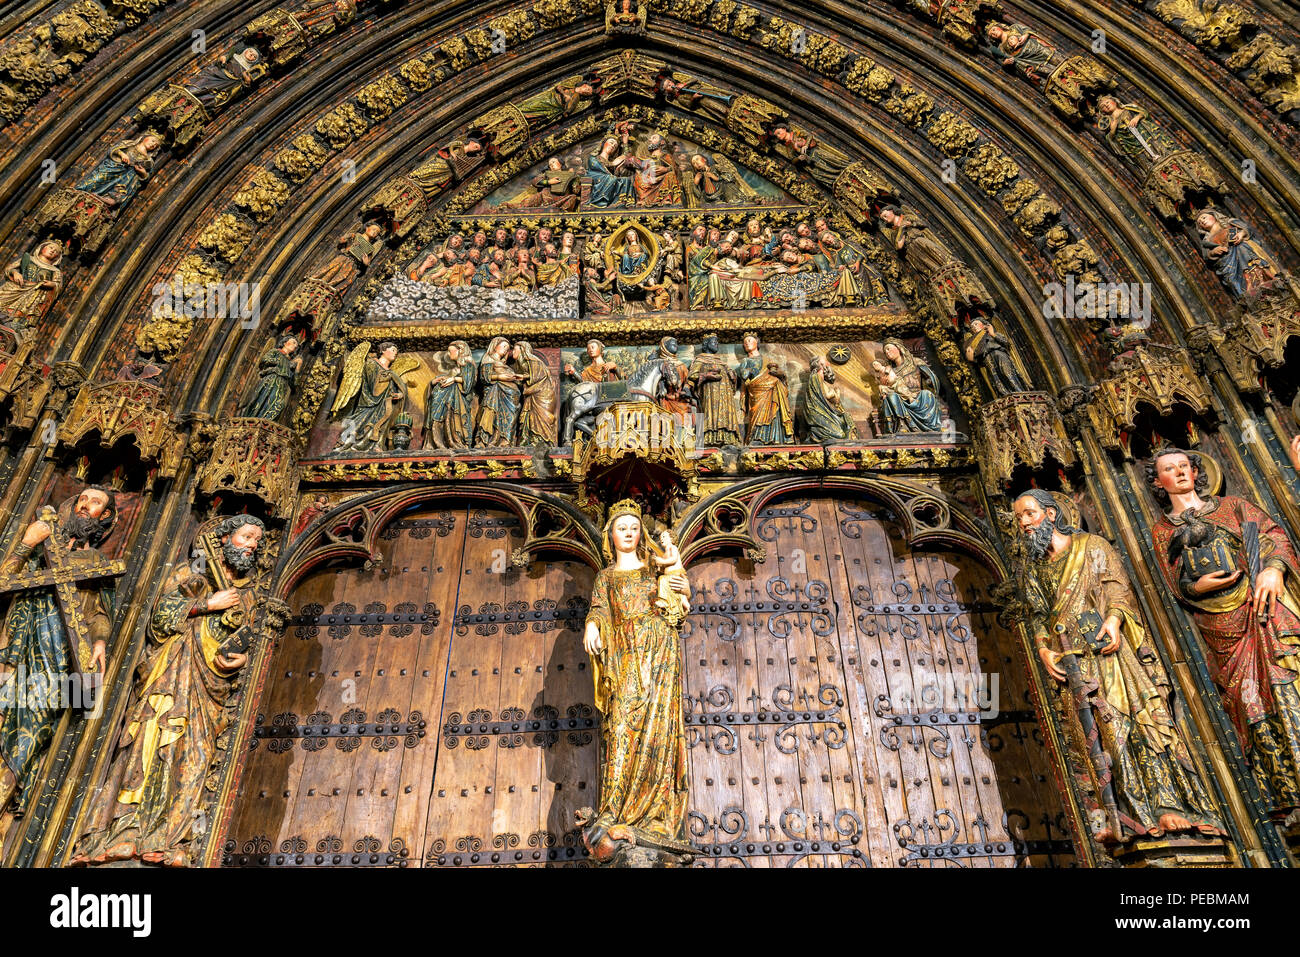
[{"x": 625, "y": 506}]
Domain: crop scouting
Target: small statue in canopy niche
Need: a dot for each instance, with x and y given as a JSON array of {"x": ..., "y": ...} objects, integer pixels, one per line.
[
  {"x": 714, "y": 382},
  {"x": 823, "y": 410},
  {"x": 909, "y": 391},
  {"x": 637, "y": 669},
  {"x": 1134, "y": 769},
  {"x": 1244, "y": 265},
  {"x": 954, "y": 288},
  {"x": 30, "y": 285},
  {"x": 1234, "y": 567},
  {"x": 357, "y": 248},
  {"x": 1018, "y": 46},
  {"x": 276, "y": 371},
  {"x": 122, "y": 173},
  {"x": 217, "y": 84},
  {"x": 992, "y": 353},
  {"x": 371, "y": 395}
]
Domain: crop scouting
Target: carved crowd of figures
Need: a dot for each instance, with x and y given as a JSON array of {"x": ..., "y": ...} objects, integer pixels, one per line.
[
  {"x": 519, "y": 259},
  {"x": 510, "y": 397}
]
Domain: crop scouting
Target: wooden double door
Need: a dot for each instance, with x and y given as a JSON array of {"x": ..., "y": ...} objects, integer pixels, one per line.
[{"x": 437, "y": 710}]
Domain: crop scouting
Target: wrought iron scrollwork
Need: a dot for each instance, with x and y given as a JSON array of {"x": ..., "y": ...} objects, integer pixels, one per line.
[
  {"x": 385, "y": 732},
  {"x": 712, "y": 723},
  {"x": 791, "y": 518},
  {"x": 508, "y": 849},
  {"x": 340, "y": 620},
  {"x": 801, "y": 836},
  {"x": 478, "y": 728},
  {"x": 517, "y": 616},
  {"x": 785, "y": 605},
  {"x": 368, "y": 851},
  {"x": 949, "y": 849},
  {"x": 420, "y": 528}
]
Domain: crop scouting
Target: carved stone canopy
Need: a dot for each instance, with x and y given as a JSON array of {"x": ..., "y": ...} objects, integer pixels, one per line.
[{"x": 639, "y": 451}]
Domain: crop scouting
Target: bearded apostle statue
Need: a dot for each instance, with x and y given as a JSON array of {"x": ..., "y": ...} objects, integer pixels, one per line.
[
  {"x": 1131, "y": 762},
  {"x": 41, "y": 652},
  {"x": 637, "y": 667},
  {"x": 714, "y": 383},
  {"x": 1235, "y": 568},
  {"x": 199, "y": 638}
]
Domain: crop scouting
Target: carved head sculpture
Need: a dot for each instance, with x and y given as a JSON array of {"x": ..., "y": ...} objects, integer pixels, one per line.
[
  {"x": 667, "y": 347},
  {"x": 554, "y": 164},
  {"x": 387, "y": 353},
  {"x": 750, "y": 342},
  {"x": 498, "y": 348},
  {"x": 50, "y": 252},
  {"x": 1039, "y": 516},
  {"x": 1178, "y": 471},
  {"x": 241, "y": 537},
  {"x": 710, "y": 343},
  {"x": 92, "y": 516},
  {"x": 501, "y": 237},
  {"x": 458, "y": 352},
  {"x": 622, "y": 534},
  {"x": 521, "y": 236},
  {"x": 595, "y": 349},
  {"x": 288, "y": 344}
]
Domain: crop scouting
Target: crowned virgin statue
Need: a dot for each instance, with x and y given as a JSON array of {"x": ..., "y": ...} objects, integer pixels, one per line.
[{"x": 637, "y": 666}]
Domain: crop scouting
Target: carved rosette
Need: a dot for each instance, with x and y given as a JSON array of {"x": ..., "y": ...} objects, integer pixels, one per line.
[
  {"x": 118, "y": 410},
  {"x": 1158, "y": 376},
  {"x": 1024, "y": 428},
  {"x": 83, "y": 216},
  {"x": 253, "y": 457}
]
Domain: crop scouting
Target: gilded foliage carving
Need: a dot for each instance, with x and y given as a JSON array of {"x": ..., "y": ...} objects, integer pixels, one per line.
[
  {"x": 228, "y": 236},
  {"x": 341, "y": 125},
  {"x": 951, "y": 134},
  {"x": 991, "y": 169},
  {"x": 262, "y": 196},
  {"x": 381, "y": 97}
]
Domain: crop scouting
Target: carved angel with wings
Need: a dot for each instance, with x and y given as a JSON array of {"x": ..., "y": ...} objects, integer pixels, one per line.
[{"x": 372, "y": 392}]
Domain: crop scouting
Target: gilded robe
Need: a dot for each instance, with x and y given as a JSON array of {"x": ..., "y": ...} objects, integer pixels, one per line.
[
  {"x": 1127, "y": 691},
  {"x": 1255, "y": 664},
  {"x": 177, "y": 713},
  {"x": 824, "y": 413},
  {"x": 716, "y": 399},
  {"x": 638, "y": 676},
  {"x": 447, "y": 414},
  {"x": 537, "y": 416},
  {"x": 767, "y": 403}
]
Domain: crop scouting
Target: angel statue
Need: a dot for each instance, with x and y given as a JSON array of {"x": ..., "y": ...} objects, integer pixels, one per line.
[
  {"x": 371, "y": 394},
  {"x": 637, "y": 667}
]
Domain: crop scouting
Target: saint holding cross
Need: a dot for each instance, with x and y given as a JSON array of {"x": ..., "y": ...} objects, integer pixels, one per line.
[{"x": 57, "y": 628}]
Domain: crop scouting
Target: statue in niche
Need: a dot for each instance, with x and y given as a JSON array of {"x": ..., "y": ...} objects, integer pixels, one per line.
[
  {"x": 200, "y": 635},
  {"x": 1132, "y": 764},
  {"x": 714, "y": 382},
  {"x": 122, "y": 173},
  {"x": 626, "y": 16},
  {"x": 537, "y": 419},
  {"x": 1133, "y": 134},
  {"x": 952, "y": 286},
  {"x": 448, "y": 408},
  {"x": 823, "y": 410},
  {"x": 823, "y": 162},
  {"x": 449, "y": 165},
  {"x": 357, "y": 249},
  {"x": 715, "y": 179},
  {"x": 1243, "y": 264},
  {"x": 276, "y": 371},
  {"x": 557, "y": 189},
  {"x": 694, "y": 95},
  {"x": 909, "y": 390},
  {"x": 371, "y": 394},
  {"x": 992, "y": 353},
  {"x": 1018, "y": 46},
  {"x": 31, "y": 284},
  {"x": 556, "y": 102},
  {"x": 42, "y": 648},
  {"x": 217, "y": 84},
  {"x": 498, "y": 411},
  {"x": 700, "y": 256},
  {"x": 769, "y": 419},
  {"x": 637, "y": 669},
  {"x": 1234, "y": 567},
  {"x": 669, "y": 273}
]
